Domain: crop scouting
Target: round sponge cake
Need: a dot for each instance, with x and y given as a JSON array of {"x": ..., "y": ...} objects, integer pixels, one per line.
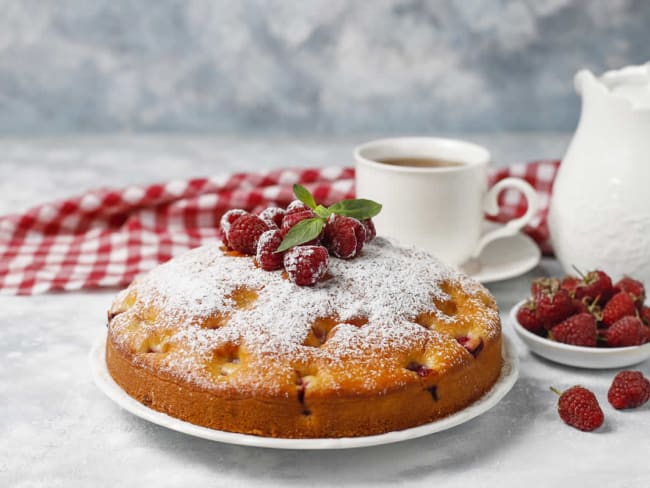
[{"x": 389, "y": 340}]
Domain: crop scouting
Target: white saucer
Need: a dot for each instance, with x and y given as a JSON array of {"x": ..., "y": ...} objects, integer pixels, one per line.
[
  {"x": 105, "y": 383},
  {"x": 504, "y": 258}
]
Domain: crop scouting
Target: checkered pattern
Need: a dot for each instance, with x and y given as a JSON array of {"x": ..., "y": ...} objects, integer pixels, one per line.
[{"x": 107, "y": 237}]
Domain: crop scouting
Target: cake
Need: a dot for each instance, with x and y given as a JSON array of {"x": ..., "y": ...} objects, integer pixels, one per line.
[{"x": 387, "y": 341}]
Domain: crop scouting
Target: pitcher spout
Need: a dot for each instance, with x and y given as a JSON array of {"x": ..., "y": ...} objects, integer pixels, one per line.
[{"x": 583, "y": 79}]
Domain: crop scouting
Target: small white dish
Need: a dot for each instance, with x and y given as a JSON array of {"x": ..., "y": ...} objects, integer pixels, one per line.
[
  {"x": 582, "y": 357},
  {"x": 106, "y": 384},
  {"x": 504, "y": 258}
]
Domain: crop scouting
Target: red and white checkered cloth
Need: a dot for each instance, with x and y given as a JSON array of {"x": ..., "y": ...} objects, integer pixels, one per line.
[{"x": 106, "y": 237}]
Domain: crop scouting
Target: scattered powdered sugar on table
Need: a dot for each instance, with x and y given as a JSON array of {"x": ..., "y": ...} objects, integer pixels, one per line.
[{"x": 386, "y": 286}]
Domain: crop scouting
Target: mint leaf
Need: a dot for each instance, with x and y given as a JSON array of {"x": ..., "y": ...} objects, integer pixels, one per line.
[
  {"x": 302, "y": 232},
  {"x": 322, "y": 212},
  {"x": 304, "y": 195},
  {"x": 358, "y": 208}
]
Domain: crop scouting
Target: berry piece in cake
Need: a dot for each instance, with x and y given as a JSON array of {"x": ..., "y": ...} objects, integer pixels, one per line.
[
  {"x": 306, "y": 265},
  {"x": 595, "y": 284},
  {"x": 474, "y": 345},
  {"x": 296, "y": 206},
  {"x": 291, "y": 219},
  {"x": 553, "y": 308},
  {"x": 579, "y": 408},
  {"x": 344, "y": 236},
  {"x": 633, "y": 287},
  {"x": 272, "y": 216},
  {"x": 578, "y": 330},
  {"x": 245, "y": 232},
  {"x": 371, "y": 232},
  {"x": 619, "y": 306},
  {"x": 528, "y": 318},
  {"x": 267, "y": 258},
  {"x": 627, "y": 331},
  {"x": 227, "y": 220},
  {"x": 420, "y": 369},
  {"x": 630, "y": 389}
]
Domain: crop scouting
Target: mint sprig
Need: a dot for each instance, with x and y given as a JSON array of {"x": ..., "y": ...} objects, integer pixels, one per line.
[{"x": 308, "y": 229}]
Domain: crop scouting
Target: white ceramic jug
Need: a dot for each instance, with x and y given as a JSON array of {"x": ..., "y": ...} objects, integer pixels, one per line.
[{"x": 600, "y": 210}]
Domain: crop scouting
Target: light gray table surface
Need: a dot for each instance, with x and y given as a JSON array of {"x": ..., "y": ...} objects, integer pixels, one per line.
[{"x": 58, "y": 430}]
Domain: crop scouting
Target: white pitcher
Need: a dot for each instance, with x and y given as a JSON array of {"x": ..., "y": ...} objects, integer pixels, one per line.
[{"x": 600, "y": 210}]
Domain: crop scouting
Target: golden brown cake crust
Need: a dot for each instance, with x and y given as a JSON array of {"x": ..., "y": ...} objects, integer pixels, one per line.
[{"x": 211, "y": 339}]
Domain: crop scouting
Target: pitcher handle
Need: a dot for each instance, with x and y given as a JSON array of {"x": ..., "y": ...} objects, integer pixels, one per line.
[{"x": 491, "y": 207}]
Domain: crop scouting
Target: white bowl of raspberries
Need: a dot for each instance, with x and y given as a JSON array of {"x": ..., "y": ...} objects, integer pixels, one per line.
[{"x": 586, "y": 321}]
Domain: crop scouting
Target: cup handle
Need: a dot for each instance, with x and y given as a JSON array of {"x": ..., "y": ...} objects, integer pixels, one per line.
[{"x": 491, "y": 207}]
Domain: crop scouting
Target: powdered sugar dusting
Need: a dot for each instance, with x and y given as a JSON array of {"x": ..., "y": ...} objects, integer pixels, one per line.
[{"x": 384, "y": 289}]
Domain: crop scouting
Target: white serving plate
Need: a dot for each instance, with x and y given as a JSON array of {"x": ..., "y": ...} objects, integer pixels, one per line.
[
  {"x": 104, "y": 381},
  {"x": 582, "y": 357}
]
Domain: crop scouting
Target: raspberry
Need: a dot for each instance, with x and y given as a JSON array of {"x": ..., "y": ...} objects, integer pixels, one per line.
[
  {"x": 619, "y": 306},
  {"x": 570, "y": 283},
  {"x": 528, "y": 318},
  {"x": 578, "y": 330},
  {"x": 633, "y": 287},
  {"x": 553, "y": 308},
  {"x": 579, "y": 408},
  {"x": 371, "y": 232},
  {"x": 306, "y": 265},
  {"x": 644, "y": 314},
  {"x": 227, "y": 220},
  {"x": 344, "y": 236},
  {"x": 245, "y": 232},
  {"x": 625, "y": 332},
  {"x": 595, "y": 284},
  {"x": 267, "y": 258},
  {"x": 296, "y": 206},
  {"x": 544, "y": 286},
  {"x": 291, "y": 219},
  {"x": 272, "y": 216},
  {"x": 630, "y": 389},
  {"x": 645, "y": 335}
]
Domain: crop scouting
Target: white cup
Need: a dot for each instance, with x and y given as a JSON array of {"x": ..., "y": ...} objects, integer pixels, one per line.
[{"x": 438, "y": 208}]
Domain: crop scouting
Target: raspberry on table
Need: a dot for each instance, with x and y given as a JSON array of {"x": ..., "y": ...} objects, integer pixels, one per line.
[
  {"x": 627, "y": 331},
  {"x": 629, "y": 389},
  {"x": 272, "y": 216},
  {"x": 306, "y": 265},
  {"x": 245, "y": 232},
  {"x": 579, "y": 408},
  {"x": 291, "y": 219},
  {"x": 266, "y": 256},
  {"x": 227, "y": 220},
  {"x": 344, "y": 236},
  {"x": 577, "y": 330}
]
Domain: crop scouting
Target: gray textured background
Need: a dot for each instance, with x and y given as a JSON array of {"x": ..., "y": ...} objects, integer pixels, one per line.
[{"x": 318, "y": 66}]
